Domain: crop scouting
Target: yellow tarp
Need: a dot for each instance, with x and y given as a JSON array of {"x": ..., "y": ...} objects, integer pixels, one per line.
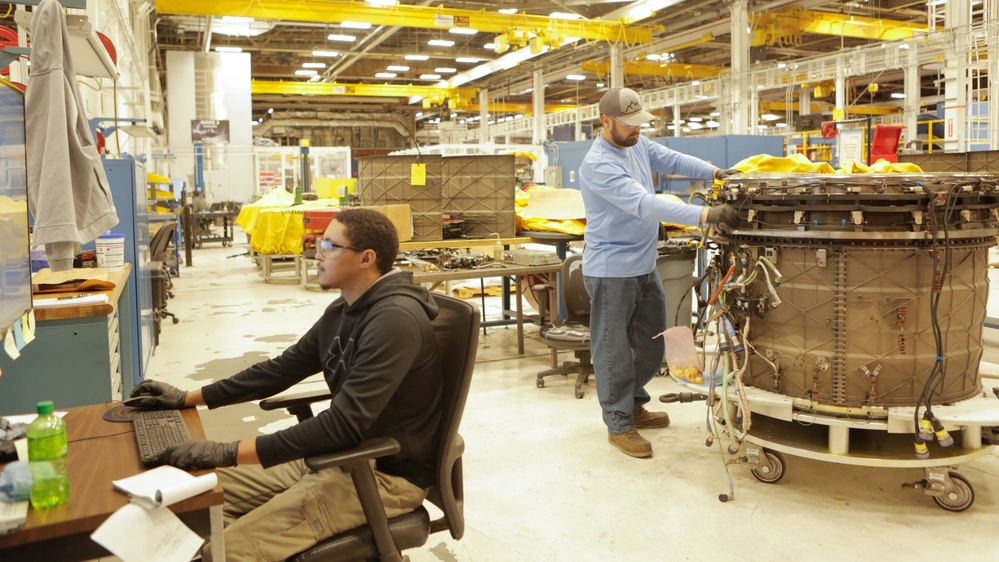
[
  {"x": 274, "y": 225},
  {"x": 798, "y": 163}
]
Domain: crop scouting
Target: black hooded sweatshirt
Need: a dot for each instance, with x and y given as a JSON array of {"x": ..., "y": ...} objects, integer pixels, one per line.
[{"x": 379, "y": 359}]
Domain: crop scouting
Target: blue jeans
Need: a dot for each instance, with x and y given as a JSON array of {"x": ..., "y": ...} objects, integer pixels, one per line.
[{"x": 625, "y": 313}]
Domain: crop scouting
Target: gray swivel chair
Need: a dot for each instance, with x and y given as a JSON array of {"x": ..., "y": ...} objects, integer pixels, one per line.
[
  {"x": 457, "y": 330},
  {"x": 574, "y": 333}
]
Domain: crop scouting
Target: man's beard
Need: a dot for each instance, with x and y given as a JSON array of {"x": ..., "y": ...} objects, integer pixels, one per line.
[{"x": 624, "y": 140}]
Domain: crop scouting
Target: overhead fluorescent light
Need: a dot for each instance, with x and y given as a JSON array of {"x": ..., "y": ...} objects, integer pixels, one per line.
[
  {"x": 769, "y": 117},
  {"x": 385, "y": 75},
  {"x": 696, "y": 119},
  {"x": 653, "y": 57},
  {"x": 467, "y": 59},
  {"x": 490, "y": 46},
  {"x": 898, "y": 95},
  {"x": 463, "y": 31},
  {"x": 417, "y": 57},
  {"x": 600, "y": 84},
  {"x": 382, "y": 2},
  {"x": 781, "y": 125},
  {"x": 313, "y": 65},
  {"x": 576, "y": 77},
  {"x": 228, "y": 49},
  {"x": 271, "y": 110},
  {"x": 695, "y": 83},
  {"x": 325, "y": 54},
  {"x": 445, "y": 70},
  {"x": 355, "y": 24},
  {"x": 507, "y": 11},
  {"x": 397, "y": 68},
  {"x": 305, "y": 73},
  {"x": 416, "y": 99},
  {"x": 440, "y": 43},
  {"x": 254, "y": 123},
  {"x": 237, "y": 19},
  {"x": 336, "y": 37},
  {"x": 564, "y": 16},
  {"x": 430, "y": 77}
]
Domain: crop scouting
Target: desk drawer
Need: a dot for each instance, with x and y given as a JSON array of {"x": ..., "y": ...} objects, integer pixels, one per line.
[{"x": 114, "y": 356}]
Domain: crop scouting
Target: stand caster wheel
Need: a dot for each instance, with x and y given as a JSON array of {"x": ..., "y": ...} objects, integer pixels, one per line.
[
  {"x": 176, "y": 320},
  {"x": 773, "y": 471},
  {"x": 541, "y": 383},
  {"x": 579, "y": 393},
  {"x": 958, "y": 499}
]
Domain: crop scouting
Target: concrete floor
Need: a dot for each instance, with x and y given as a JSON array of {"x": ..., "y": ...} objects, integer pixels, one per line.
[{"x": 541, "y": 481}]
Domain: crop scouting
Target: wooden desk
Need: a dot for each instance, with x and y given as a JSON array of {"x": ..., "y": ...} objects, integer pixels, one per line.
[
  {"x": 509, "y": 270},
  {"x": 81, "y": 353},
  {"x": 100, "y": 452}
]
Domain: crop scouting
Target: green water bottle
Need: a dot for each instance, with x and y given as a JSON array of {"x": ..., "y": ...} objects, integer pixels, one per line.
[{"x": 47, "y": 458}]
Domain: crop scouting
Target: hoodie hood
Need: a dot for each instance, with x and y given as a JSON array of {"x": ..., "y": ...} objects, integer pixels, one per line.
[{"x": 393, "y": 283}]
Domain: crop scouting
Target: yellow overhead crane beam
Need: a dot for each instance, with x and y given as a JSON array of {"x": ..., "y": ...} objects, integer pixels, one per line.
[
  {"x": 402, "y": 15},
  {"x": 781, "y": 106},
  {"x": 652, "y": 68},
  {"x": 784, "y": 27},
  {"x": 431, "y": 94},
  {"x": 461, "y": 99}
]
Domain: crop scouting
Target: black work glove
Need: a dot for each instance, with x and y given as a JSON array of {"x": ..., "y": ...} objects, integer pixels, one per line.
[
  {"x": 155, "y": 395},
  {"x": 196, "y": 455},
  {"x": 723, "y": 173},
  {"x": 723, "y": 215}
]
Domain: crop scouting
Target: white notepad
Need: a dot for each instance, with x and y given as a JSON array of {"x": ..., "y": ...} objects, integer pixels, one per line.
[{"x": 97, "y": 298}]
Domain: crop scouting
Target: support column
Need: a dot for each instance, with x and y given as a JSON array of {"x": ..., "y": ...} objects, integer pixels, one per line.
[
  {"x": 840, "y": 89},
  {"x": 741, "y": 89},
  {"x": 484, "y": 116},
  {"x": 992, "y": 40},
  {"x": 677, "y": 127},
  {"x": 912, "y": 93},
  {"x": 538, "y": 97},
  {"x": 804, "y": 101},
  {"x": 616, "y": 78}
]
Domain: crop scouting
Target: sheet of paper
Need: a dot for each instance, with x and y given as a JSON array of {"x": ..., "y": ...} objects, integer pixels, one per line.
[
  {"x": 136, "y": 534},
  {"x": 165, "y": 485},
  {"x": 98, "y": 298},
  {"x": 10, "y": 346},
  {"x": 28, "y": 326},
  {"x": 12, "y": 515}
]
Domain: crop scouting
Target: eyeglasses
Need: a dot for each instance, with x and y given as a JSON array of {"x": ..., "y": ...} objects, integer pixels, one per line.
[{"x": 326, "y": 247}]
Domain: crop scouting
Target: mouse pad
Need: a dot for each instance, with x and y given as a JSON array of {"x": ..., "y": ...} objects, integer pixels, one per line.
[{"x": 119, "y": 414}]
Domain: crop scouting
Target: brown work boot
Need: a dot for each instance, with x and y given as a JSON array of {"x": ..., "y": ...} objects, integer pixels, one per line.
[
  {"x": 645, "y": 419},
  {"x": 631, "y": 443}
]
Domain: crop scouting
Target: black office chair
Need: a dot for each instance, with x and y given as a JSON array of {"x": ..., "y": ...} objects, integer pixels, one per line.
[
  {"x": 457, "y": 330},
  {"x": 573, "y": 334},
  {"x": 161, "y": 280},
  {"x": 160, "y": 244}
]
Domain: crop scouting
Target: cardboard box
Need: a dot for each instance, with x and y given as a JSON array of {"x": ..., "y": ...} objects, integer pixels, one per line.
[{"x": 316, "y": 220}]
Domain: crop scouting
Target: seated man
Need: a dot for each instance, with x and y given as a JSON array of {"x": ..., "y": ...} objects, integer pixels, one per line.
[{"x": 376, "y": 349}]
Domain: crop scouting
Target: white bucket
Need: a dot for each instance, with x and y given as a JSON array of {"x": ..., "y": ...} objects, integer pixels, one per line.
[{"x": 110, "y": 251}]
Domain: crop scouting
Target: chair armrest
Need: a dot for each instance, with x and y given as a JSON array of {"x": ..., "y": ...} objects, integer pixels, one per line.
[
  {"x": 365, "y": 451},
  {"x": 292, "y": 400}
]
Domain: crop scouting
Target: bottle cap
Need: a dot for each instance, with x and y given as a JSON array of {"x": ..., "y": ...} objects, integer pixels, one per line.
[{"x": 44, "y": 407}]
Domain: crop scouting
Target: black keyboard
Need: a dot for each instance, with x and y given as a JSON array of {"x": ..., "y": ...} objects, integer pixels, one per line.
[{"x": 155, "y": 430}]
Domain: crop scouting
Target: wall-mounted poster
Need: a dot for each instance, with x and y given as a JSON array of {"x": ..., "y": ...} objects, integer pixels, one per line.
[{"x": 210, "y": 131}]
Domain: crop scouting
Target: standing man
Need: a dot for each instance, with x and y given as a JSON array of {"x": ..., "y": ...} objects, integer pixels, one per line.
[
  {"x": 376, "y": 349},
  {"x": 627, "y": 302}
]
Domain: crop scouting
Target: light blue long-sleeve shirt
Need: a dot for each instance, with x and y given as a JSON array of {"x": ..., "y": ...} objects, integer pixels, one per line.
[{"x": 622, "y": 211}]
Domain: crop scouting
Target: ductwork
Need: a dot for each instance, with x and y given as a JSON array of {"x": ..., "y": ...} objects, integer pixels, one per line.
[{"x": 265, "y": 128}]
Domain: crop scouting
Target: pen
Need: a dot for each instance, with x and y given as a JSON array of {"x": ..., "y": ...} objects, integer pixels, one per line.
[{"x": 72, "y": 297}]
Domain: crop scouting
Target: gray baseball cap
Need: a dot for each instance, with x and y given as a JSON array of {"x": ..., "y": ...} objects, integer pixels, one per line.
[{"x": 623, "y": 104}]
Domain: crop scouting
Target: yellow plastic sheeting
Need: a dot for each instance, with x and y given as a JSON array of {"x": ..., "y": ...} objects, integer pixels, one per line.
[
  {"x": 784, "y": 164},
  {"x": 522, "y": 201},
  {"x": 156, "y": 178},
  {"x": 278, "y": 231},
  {"x": 798, "y": 163},
  {"x": 275, "y": 198}
]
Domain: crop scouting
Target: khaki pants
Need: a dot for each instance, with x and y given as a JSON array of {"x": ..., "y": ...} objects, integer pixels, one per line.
[{"x": 274, "y": 513}]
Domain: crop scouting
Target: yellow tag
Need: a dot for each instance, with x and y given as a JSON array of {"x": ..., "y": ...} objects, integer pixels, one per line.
[
  {"x": 838, "y": 114},
  {"x": 418, "y": 174}
]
